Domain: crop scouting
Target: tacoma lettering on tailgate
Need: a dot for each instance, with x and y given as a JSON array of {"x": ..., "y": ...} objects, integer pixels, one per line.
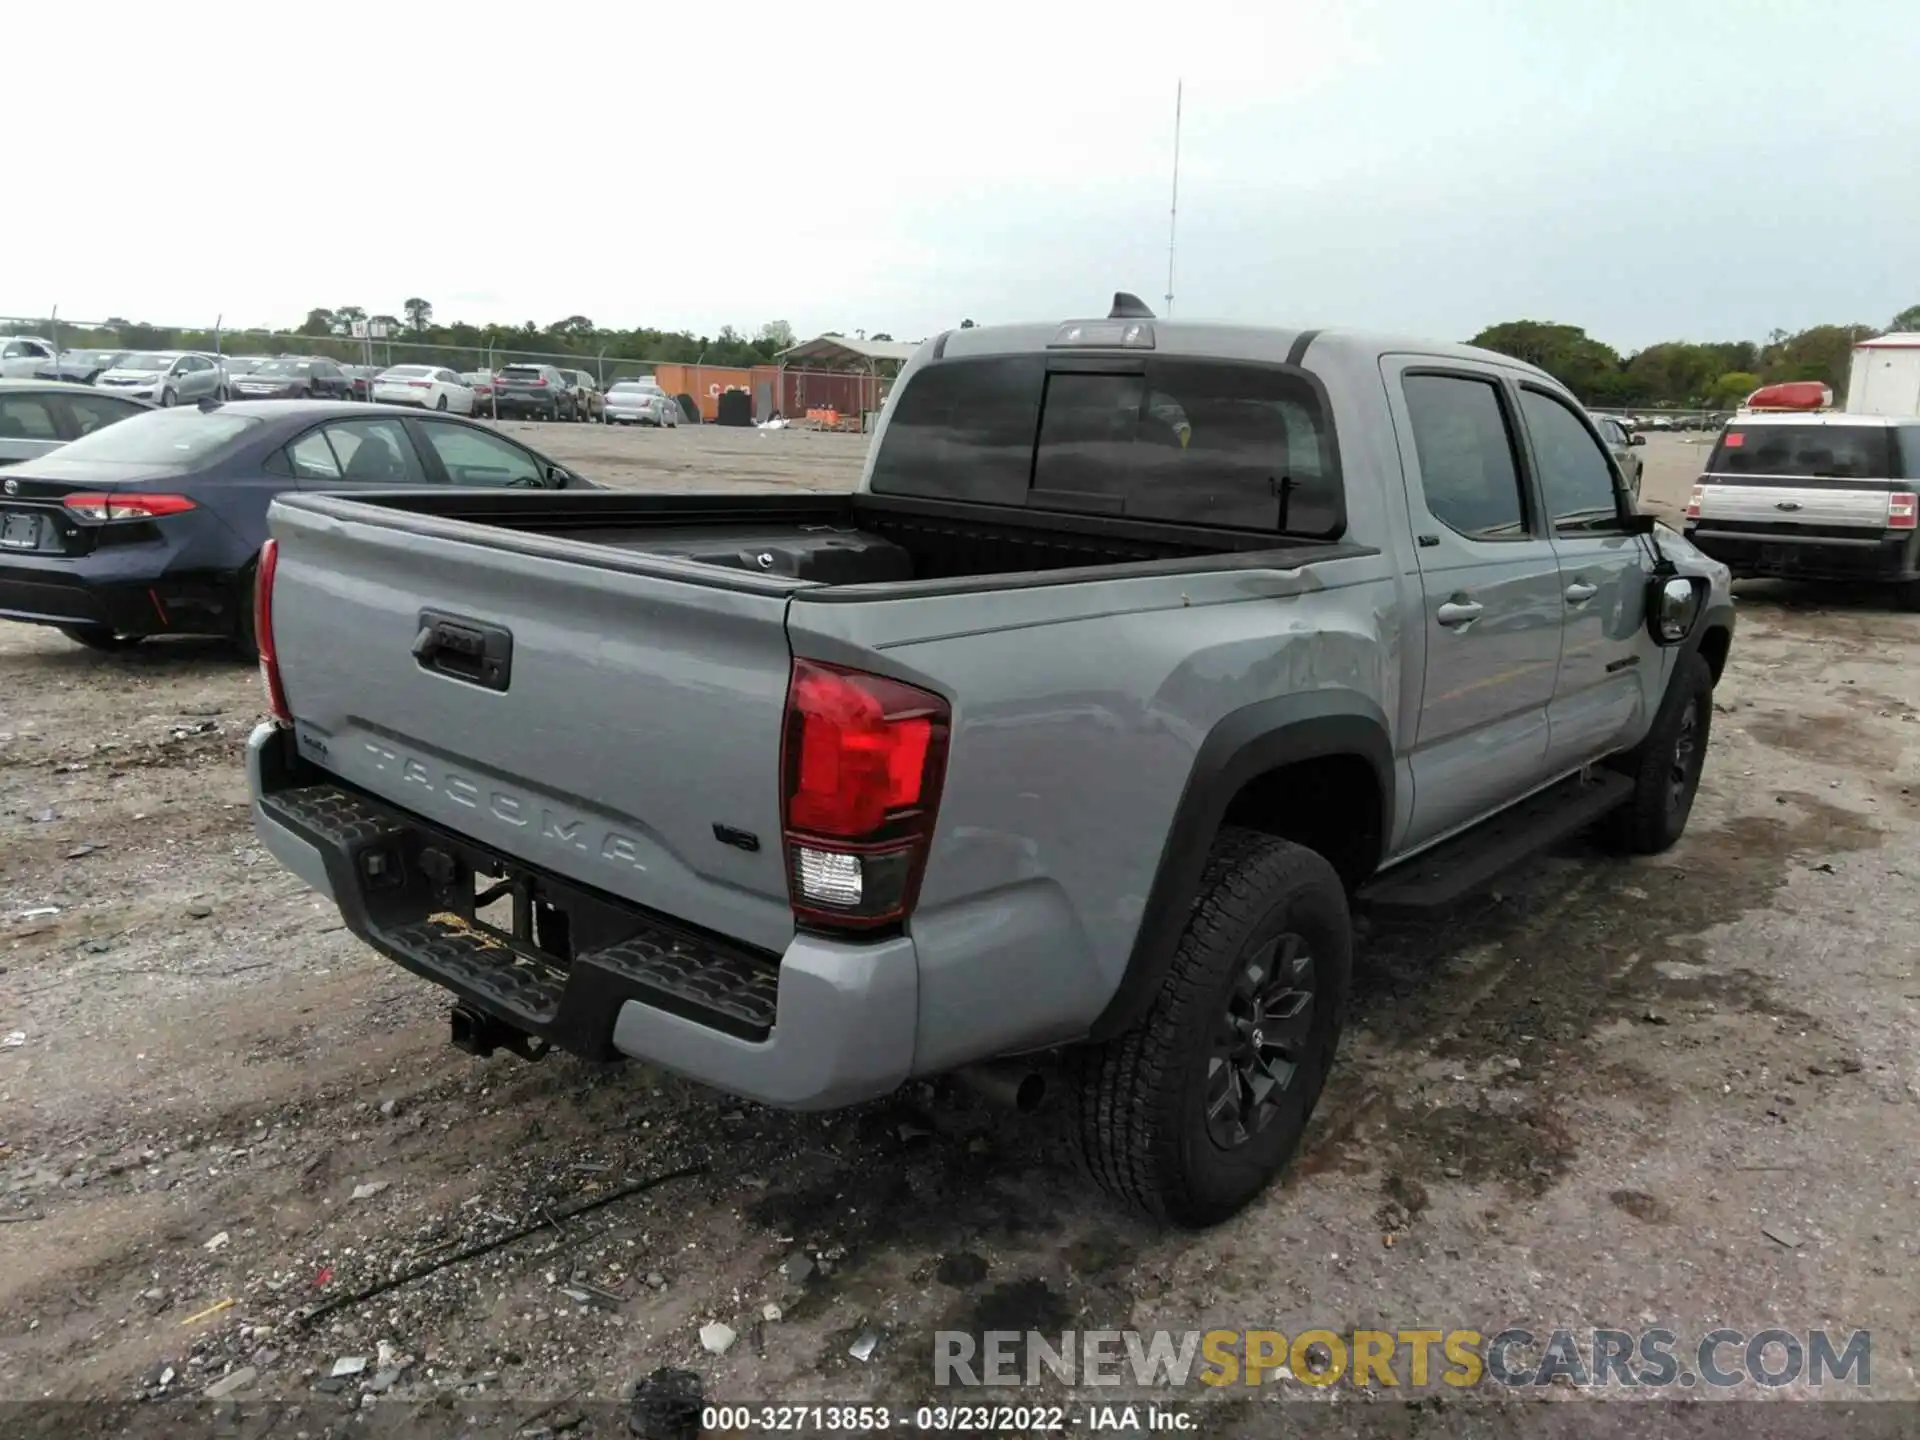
[{"x": 555, "y": 827}]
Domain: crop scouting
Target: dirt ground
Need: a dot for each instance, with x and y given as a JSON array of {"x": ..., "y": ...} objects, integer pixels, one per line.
[{"x": 1679, "y": 1091}]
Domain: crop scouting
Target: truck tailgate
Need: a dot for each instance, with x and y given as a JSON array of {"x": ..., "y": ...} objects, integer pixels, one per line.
[{"x": 606, "y": 725}]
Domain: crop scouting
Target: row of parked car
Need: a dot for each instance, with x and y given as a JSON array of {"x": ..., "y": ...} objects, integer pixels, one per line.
[
  {"x": 174, "y": 377},
  {"x": 121, "y": 518}
]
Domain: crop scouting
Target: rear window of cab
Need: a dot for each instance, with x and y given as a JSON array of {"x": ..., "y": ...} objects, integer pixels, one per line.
[{"x": 1177, "y": 441}]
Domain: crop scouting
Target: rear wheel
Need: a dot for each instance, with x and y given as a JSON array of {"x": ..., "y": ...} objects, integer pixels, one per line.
[
  {"x": 99, "y": 637},
  {"x": 1191, "y": 1113},
  {"x": 441, "y": 403}
]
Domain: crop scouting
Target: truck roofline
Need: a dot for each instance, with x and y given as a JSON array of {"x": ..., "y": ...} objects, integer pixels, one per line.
[{"x": 1221, "y": 340}]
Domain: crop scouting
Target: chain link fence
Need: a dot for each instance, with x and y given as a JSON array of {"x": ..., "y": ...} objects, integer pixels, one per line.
[
  {"x": 397, "y": 348},
  {"x": 698, "y": 381}
]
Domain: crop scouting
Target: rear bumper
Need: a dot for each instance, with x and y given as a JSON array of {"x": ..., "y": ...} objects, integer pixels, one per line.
[
  {"x": 825, "y": 1024},
  {"x": 123, "y": 590},
  {"x": 1874, "y": 556},
  {"x": 528, "y": 404}
]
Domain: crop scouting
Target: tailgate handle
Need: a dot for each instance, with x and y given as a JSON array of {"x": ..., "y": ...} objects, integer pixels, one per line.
[{"x": 468, "y": 650}]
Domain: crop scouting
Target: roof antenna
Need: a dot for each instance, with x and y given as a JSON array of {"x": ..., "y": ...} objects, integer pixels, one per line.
[
  {"x": 1173, "y": 210},
  {"x": 1128, "y": 307}
]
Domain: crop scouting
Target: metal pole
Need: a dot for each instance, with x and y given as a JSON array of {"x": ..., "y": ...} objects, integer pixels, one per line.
[
  {"x": 54, "y": 324},
  {"x": 1173, "y": 210}
]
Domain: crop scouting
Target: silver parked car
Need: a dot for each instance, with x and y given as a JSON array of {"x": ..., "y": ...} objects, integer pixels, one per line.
[
  {"x": 639, "y": 402},
  {"x": 21, "y": 356},
  {"x": 38, "y": 416},
  {"x": 1620, "y": 444},
  {"x": 167, "y": 377}
]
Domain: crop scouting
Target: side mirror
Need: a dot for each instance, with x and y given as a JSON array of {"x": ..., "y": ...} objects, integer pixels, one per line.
[
  {"x": 1636, "y": 438},
  {"x": 1674, "y": 603},
  {"x": 557, "y": 477}
]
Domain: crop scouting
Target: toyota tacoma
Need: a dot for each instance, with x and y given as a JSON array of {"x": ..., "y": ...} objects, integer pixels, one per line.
[{"x": 1145, "y": 652}]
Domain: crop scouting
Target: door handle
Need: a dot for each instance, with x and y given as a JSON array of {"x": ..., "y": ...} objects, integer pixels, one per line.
[
  {"x": 1458, "y": 612},
  {"x": 1580, "y": 591}
]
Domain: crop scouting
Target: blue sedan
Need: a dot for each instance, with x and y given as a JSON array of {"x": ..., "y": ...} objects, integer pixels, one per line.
[{"x": 153, "y": 526}]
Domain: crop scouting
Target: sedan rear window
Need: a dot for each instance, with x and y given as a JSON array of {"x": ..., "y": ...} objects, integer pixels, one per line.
[
  {"x": 160, "y": 437},
  {"x": 521, "y": 372},
  {"x": 407, "y": 371},
  {"x": 1851, "y": 452}
]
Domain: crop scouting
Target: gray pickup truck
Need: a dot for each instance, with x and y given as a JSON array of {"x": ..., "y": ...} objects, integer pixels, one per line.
[{"x": 1143, "y": 651}]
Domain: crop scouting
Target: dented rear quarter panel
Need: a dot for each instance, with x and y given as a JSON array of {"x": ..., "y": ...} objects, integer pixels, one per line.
[{"x": 1078, "y": 713}]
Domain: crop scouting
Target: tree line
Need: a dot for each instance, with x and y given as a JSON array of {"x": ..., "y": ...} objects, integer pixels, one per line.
[
  {"x": 330, "y": 332},
  {"x": 1681, "y": 373},
  {"x": 1674, "y": 373}
]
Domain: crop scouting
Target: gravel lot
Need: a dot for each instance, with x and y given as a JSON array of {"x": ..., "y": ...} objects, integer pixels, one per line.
[{"x": 1605, "y": 1095}]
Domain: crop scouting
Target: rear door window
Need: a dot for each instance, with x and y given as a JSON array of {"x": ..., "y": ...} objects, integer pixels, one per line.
[
  {"x": 1469, "y": 475},
  {"x": 1841, "y": 452},
  {"x": 375, "y": 452}
]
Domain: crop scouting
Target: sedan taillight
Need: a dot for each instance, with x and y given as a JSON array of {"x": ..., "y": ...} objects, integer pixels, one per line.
[{"x": 111, "y": 505}]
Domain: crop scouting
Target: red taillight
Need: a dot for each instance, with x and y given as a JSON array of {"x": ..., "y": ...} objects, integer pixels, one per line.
[
  {"x": 541, "y": 381},
  {"x": 1693, "y": 502},
  {"x": 863, "y": 760},
  {"x": 111, "y": 505},
  {"x": 419, "y": 384},
  {"x": 1900, "y": 510},
  {"x": 263, "y": 632}
]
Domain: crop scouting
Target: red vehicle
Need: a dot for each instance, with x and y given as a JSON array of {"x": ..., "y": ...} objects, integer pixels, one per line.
[{"x": 1791, "y": 395}]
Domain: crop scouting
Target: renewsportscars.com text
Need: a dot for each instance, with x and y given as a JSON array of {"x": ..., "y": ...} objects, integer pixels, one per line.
[{"x": 1386, "y": 1359}]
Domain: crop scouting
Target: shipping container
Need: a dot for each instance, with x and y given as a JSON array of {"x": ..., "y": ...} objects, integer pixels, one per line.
[
  {"x": 705, "y": 383},
  {"x": 851, "y": 394},
  {"x": 1885, "y": 379}
]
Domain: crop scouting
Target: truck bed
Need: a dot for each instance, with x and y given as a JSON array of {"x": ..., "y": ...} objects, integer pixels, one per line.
[{"x": 832, "y": 540}]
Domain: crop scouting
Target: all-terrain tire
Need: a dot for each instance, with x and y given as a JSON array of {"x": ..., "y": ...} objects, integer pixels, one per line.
[
  {"x": 1666, "y": 765},
  {"x": 1137, "y": 1104}
]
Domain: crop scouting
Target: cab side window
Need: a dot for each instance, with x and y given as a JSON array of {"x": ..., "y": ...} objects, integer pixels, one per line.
[
  {"x": 1576, "y": 476},
  {"x": 478, "y": 458},
  {"x": 1468, "y": 470}
]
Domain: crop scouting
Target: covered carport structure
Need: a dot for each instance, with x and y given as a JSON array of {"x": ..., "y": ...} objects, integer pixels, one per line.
[{"x": 838, "y": 374}]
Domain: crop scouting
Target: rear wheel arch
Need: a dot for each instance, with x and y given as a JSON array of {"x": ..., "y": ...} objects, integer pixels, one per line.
[{"x": 1315, "y": 768}]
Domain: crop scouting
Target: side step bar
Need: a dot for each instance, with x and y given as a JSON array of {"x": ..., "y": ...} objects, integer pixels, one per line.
[{"x": 1470, "y": 861}]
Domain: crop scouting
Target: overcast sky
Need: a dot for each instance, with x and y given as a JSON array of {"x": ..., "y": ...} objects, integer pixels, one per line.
[{"x": 1648, "y": 169}]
